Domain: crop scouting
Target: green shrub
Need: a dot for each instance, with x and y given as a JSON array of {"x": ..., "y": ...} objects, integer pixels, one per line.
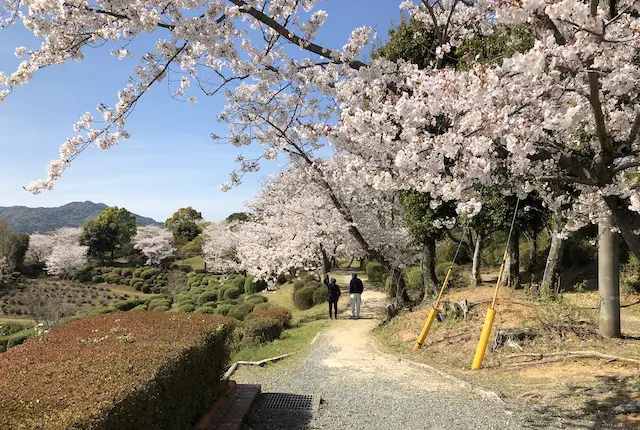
[
  {"x": 299, "y": 284},
  {"x": 207, "y": 296},
  {"x": 456, "y": 279},
  {"x": 158, "y": 371},
  {"x": 447, "y": 249},
  {"x": 159, "y": 302},
  {"x": 95, "y": 271},
  {"x": 112, "y": 278},
  {"x": 19, "y": 338},
  {"x": 237, "y": 282},
  {"x": 186, "y": 308},
  {"x": 252, "y": 285},
  {"x": 146, "y": 288},
  {"x": 138, "y": 286},
  {"x": 376, "y": 273},
  {"x": 101, "y": 311},
  {"x": 319, "y": 295},
  {"x": 205, "y": 310},
  {"x": 97, "y": 279},
  {"x": 282, "y": 279},
  {"x": 255, "y": 300},
  {"x": 140, "y": 308},
  {"x": 224, "y": 308},
  {"x": 261, "y": 330},
  {"x": 412, "y": 280},
  {"x": 268, "y": 310},
  {"x": 303, "y": 298},
  {"x": 221, "y": 292},
  {"x": 127, "y": 305},
  {"x": 147, "y": 274},
  {"x": 240, "y": 312},
  {"x": 126, "y": 272},
  {"x": 2, "y": 349},
  {"x": 161, "y": 309},
  {"x": 134, "y": 281},
  {"x": 186, "y": 300},
  {"x": 136, "y": 273},
  {"x": 232, "y": 293},
  {"x": 210, "y": 305}
]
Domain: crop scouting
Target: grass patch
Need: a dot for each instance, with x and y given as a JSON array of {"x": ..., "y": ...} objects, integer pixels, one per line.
[
  {"x": 291, "y": 340},
  {"x": 284, "y": 297},
  {"x": 196, "y": 263}
]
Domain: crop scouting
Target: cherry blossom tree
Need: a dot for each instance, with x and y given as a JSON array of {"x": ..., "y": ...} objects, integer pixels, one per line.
[
  {"x": 155, "y": 243},
  {"x": 220, "y": 247},
  {"x": 65, "y": 260}
]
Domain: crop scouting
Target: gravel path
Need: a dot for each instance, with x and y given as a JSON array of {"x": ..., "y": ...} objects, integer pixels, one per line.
[{"x": 362, "y": 389}]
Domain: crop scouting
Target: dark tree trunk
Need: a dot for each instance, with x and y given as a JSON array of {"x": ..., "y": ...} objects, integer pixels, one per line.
[
  {"x": 550, "y": 277},
  {"x": 609, "y": 280},
  {"x": 326, "y": 263},
  {"x": 475, "y": 267},
  {"x": 626, "y": 220},
  {"x": 533, "y": 252},
  {"x": 511, "y": 275},
  {"x": 428, "y": 277},
  {"x": 398, "y": 291},
  {"x": 353, "y": 257}
]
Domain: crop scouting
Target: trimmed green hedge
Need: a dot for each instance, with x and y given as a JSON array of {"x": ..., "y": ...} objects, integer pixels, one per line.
[
  {"x": 156, "y": 371},
  {"x": 303, "y": 298},
  {"x": 261, "y": 330}
]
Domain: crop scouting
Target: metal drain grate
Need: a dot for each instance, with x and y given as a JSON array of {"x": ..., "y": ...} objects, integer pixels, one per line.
[{"x": 295, "y": 402}]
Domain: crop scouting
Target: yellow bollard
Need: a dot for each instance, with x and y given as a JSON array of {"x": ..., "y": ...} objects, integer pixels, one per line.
[
  {"x": 425, "y": 329},
  {"x": 484, "y": 339}
]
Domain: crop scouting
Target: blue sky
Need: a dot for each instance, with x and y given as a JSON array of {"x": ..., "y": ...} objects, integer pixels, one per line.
[{"x": 170, "y": 161}]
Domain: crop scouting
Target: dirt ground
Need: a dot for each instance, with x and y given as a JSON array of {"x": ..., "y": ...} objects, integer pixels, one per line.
[{"x": 603, "y": 388}]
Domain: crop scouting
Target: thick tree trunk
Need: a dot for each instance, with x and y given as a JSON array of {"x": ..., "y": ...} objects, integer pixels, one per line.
[
  {"x": 550, "y": 277},
  {"x": 627, "y": 221},
  {"x": 398, "y": 291},
  {"x": 608, "y": 280},
  {"x": 428, "y": 275},
  {"x": 353, "y": 257},
  {"x": 511, "y": 276},
  {"x": 475, "y": 267}
]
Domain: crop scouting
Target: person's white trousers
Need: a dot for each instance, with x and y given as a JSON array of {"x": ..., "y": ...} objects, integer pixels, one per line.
[{"x": 354, "y": 302}]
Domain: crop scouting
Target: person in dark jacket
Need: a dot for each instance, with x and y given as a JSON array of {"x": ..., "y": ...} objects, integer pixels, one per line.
[
  {"x": 333, "y": 294},
  {"x": 355, "y": 296}
]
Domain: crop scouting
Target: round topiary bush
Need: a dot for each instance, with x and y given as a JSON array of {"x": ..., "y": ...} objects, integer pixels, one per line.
[
  {"x": 224, "y": 308},
  {"x": 238, "y": 282},
  {"x": 159, "y": 302},
  {"x": 186, "y": 308},
  {"x": 97, "y": 279},
  {"x": 255, "y": 300},
  {"x": 261, "y": 330},
  {"x": 126, "y": 272},
  {"x": 146, "y": 288},
  {"x": 136, "y": 273},
  {"x": 268, "y": 310},
  {"x": 141, "y": 308},
  {"x": 147, "y": 274},
  {"x": 221, "y": 292},
  {"x": 303, "y": 298},
  {"x": 240, "y": 312},
  {"x": 253, "y": 285},
  {"x": 161, "y": 309},
  {"x": 412, "y": 281},
  {"x": 231, "y": 293},
  {"x": 319, "y": 295},
  {"x": 376, "y": 273},
  {"x": 207, "y": 296},
  {"x": 205, "y": 310},
  {"x": 210, "y": 305},
  {"x": 138, "y": 286},
  {"x": 2, "y": 349}
]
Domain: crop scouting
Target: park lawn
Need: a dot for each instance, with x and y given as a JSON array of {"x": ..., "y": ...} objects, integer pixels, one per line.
[
  {"x": 196, "y": 263},
  {"x": 294, "y": 339}
]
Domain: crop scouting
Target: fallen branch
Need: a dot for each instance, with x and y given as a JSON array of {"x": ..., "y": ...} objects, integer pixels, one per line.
[
  {"x": 577, "y": 354},
  {"x": 260, "y": 363}
]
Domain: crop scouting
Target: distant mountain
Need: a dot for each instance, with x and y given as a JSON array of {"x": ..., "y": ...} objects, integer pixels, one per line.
[{"x": 22, "y": 219}]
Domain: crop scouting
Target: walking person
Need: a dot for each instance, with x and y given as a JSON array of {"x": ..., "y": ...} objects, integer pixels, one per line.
[
  {"x": 355, "y": 296},
  {"x": 333, "y": 294}
]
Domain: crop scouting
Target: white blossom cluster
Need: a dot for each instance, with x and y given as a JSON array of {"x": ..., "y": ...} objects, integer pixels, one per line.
[
  {"x": 155, "y": 243},
  {"x": 58, "y": 250}
]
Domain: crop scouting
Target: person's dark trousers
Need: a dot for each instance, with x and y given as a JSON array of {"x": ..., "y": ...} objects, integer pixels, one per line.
[{"x": 335, "y": 309}]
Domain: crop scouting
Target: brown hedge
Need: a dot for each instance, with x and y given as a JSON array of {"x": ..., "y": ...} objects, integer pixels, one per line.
[{"x": 126, "y": 370}]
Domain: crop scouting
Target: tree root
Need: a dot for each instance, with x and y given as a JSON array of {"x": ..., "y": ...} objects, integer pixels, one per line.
[{"x": 542, "y": 358}]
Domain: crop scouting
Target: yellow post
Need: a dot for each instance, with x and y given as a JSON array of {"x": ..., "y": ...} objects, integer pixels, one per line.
[
  {"x": 484, "y": 339},
  {"x": 432, "y": 313},
  {"x": 488, "y": 322},
  {"x": 425, "y": 329}
]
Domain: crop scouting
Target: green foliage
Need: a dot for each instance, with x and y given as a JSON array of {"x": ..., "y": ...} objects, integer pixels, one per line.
[
  {"x": 256, "y": 300},
  {"x": 148, "y": 273},
  {"x": 376, "y": 273},
  {"x": 503, "y": 43},
  {"x": 126, "y": 272},
  {"x": 457, "y": 278},
  {"x": 19, "y": 338},
  {"x": 205, "y": 310},
  {"x": 207, "y": 296},
  {"x": 241, "y": 311},
  {"x": 419, "y": 217},
  {"x": 231, "y": 293},
  {"x": 412, "y": 41},
  {"x": 184, "y": 225},
  {"x": 158, "y": 302},
  {"x": 252, "y": 285},
  {"x": 412, "y": 280},
  {"x": 192, "y": 248},
  {"x": 109, "y": 234},
  {"x": 631, "y": 276},
  {"x": 319, "y": 295},
  {"x": 140, "y": 308},
  {"x": 237, "y": 216},
  {"x": 160, "y": 309},
  {"x": 261, "y": 330},
  {"x": 186, "y": 308},
  {"x": 127, "y": 305},
  {"x": 303, "y": 298},
  {"x": 224, "y": 308},
  {"x": 269, "y": 310},
  {"x": 97, "y": 279}
]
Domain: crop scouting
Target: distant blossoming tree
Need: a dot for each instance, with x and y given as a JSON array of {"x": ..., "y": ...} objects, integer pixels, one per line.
[{"x": 155, "y": 243}]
